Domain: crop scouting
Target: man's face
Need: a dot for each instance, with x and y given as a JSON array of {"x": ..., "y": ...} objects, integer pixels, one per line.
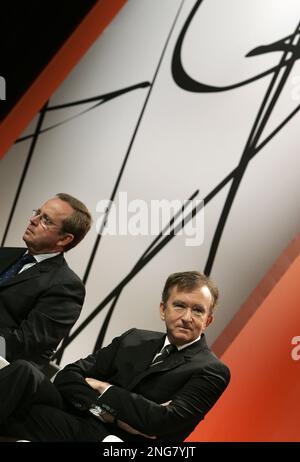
[
  {"x": 43, "y": 234},
  {"x": 187, "y": 314}
]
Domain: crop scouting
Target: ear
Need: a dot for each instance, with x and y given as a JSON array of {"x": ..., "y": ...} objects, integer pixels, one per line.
[
  {"x": 65, "y": 240},
  {"x": 210, "y": 319},
  {"x": 162, "y": 311}
]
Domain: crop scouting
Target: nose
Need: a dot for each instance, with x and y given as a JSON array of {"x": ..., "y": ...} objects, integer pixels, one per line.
[
  {"x": 187, "y": 316},
  {"x": 34, "y": 220}
]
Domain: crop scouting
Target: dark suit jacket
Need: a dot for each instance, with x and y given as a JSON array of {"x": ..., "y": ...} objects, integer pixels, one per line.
[
  {"x": 38, "y": 307},
  {"x": 193, "y": 379}
]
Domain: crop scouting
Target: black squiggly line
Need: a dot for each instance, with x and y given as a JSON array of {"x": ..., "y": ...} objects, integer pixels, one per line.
[
  {"x": 102, "y": 99},
  {"x": 256, "y": 131},
  {"x": 186, "y": 82}
]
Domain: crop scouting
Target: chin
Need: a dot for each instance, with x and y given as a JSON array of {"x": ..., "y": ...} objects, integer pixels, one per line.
[
  {"x": 184, "y": 332},
  {"x": 28, "y": 242},
  {"x": 25, "y": 238},
  {"x": 182, "y": 339}
]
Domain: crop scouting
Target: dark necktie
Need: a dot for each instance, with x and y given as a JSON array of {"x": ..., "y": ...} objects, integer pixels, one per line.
[
  {"x": 16, "y": 267},
  {"x": 166, "y": 351}
]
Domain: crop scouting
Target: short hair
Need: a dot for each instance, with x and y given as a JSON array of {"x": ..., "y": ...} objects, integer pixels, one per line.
[
  {"x": 188, "y": 281},
  {"x": 78, "y": 223}
]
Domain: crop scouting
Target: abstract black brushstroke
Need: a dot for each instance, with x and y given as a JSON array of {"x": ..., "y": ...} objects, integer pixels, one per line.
[{"x": 288, "y": 45}]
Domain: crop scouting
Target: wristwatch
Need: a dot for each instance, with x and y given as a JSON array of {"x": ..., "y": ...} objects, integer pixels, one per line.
[{"x": 97, "y": 411}]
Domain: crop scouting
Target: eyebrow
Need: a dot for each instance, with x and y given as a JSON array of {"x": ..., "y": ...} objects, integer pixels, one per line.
[
  {"x": 177, "y": 300},
  {"x": 200, "y": 307}
]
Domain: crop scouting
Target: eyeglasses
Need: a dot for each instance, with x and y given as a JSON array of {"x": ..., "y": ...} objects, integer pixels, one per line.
[{"x": 43, "y": 219}]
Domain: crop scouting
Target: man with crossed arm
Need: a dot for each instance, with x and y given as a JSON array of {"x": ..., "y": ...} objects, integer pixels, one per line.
[{"x": 143, "y": 385}]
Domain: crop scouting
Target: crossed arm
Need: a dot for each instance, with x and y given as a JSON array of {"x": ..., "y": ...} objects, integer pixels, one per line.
[
  {"x": 101, "y": 387},
  {"x": 192, "y": 394}
]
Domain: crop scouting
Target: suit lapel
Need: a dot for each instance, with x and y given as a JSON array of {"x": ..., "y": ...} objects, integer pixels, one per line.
[
  {"x": 174, "y": 360},
  {"x": 35, "y": 271},
  {"x": 149, "y": 348}
]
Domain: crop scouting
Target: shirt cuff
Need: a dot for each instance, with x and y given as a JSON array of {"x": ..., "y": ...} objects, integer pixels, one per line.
[{"x": 105, "y": 390}]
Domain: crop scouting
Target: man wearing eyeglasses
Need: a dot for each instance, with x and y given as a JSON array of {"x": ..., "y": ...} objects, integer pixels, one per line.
[
  {"x": 143, "y": 386},
  {"x": 40, "y": 296}
]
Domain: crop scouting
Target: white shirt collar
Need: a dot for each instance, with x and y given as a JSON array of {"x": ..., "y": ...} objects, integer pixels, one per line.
[
  {"x": 44, "y": 256},
  {"x": 38, "y": 258},
  {"x": 181, "y": 347}
]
